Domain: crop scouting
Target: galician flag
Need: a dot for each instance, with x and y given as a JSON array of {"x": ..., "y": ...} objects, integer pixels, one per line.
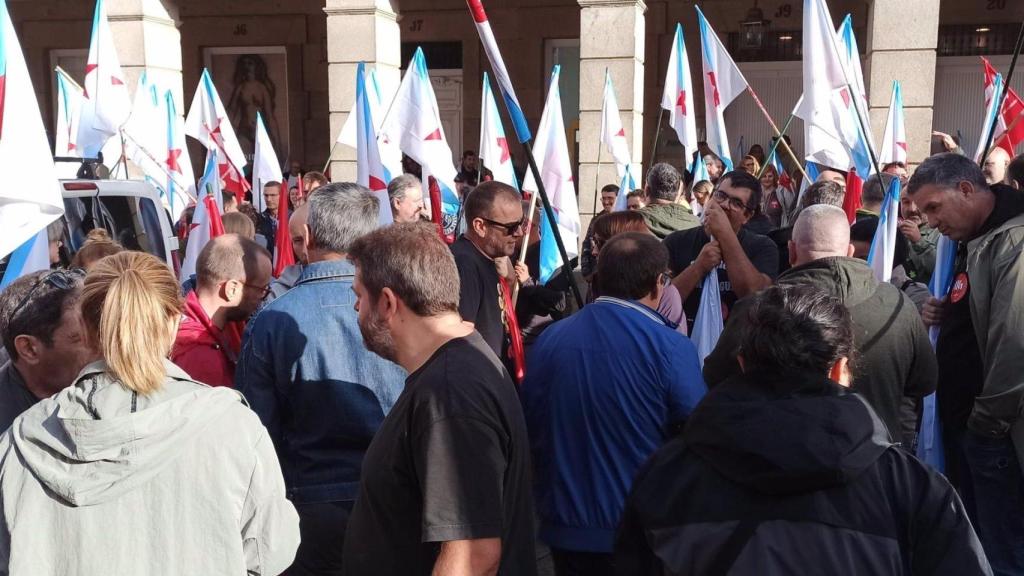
[
  {"x": 181, "y": 188},
  {"x": 206, "y": 225},
  {"x": 27, "y": 204},
  {"x": 708, "y": 325},
  {"x": 894, "y": 139},
  {"x": 990, "y": 116},
  {"x": 1013, "y": 108},
  {"x": 613, "y": 136},
  {"x": 494, "y": 154},
  {"x": 370, "y": 170},
  {"x": 626, "y": 185},
  {"x": 515, "y": 111},
  {"x": 723, "y": 82},
  {"x": 105, "y": 104},
  {"x": 414, "y": 122},
  {"x": 883, "y": 245},
  {"x": 825, "y": 126},
  {"x": 678, "y": 95},
  {"x": 69, "y": 115},
  {"x": 552, "y": 153},
  {"x": 265, "y": 166},
  {"x": 208, "y": 122},
  {"x": 32, "y": 256},
  {"x": 390, "y": 154},
  {"x": 849, "y": 105}
]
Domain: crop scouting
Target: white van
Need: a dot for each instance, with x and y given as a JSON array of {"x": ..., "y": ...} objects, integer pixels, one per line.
[{"x": 129, "y": 210}]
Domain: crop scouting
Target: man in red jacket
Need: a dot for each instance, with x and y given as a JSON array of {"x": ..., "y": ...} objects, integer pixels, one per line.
[{"x": 232, "y": 278}]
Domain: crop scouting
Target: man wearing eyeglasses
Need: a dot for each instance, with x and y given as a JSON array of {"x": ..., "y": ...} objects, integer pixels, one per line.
[
  {"x": 746, "y": 262},
  {"x": 232, "y": 278},
  {"x": 41, "y": 328},
  {"x": 495, "y": 225}
]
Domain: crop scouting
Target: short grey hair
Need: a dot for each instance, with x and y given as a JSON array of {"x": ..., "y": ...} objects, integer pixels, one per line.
[
  {"x": 875, "y": 187},
  {"x": 401, "y": 183},
  {"x": 339, "y": 213},
  {"x": 663, "y": 182},
  {"x": 822, "y": 230},
  {"x": 946, "y": 170}
]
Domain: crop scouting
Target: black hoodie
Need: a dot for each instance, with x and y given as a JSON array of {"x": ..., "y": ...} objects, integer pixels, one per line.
[
  {"x": 791, "y": 474},
  {"x": 896, "y": 359}
]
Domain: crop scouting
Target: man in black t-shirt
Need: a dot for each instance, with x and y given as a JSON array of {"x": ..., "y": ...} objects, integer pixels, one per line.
[
  {"x": 981, "y": 347},
  {"x": 446, "y": 481},
  {"x": 494, "y": 225},
  {"x": 746, "y": 262}
]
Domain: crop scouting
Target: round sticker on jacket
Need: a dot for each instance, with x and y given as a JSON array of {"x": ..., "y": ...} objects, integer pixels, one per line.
[{"x": 960, "y": 286}]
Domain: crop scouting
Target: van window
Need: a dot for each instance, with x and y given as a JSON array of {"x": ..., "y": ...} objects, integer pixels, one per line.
[{"x": 133, "y": 222}]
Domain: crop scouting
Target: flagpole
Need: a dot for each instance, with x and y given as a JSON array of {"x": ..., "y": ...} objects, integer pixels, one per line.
[
  {"x": 1002, "y": 95},
  {"x": 775, "y": 145},
  {"x": 330, "y": 157},
  {"x": 779, "y": 133},
  {"x": 657, "y": 135},
  {"x": 597, "y": 179}
]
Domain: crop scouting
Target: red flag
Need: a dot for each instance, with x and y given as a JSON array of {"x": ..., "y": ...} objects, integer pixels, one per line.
[
  {"x": 436, "y": 214},
  {"x": 851, "y": 201},
  {"x": 515, "y": 351},
  {"x": 283, "y": 255},
  {"x": 1013, "y": 107},
  {"x": 213, "y": 213}
]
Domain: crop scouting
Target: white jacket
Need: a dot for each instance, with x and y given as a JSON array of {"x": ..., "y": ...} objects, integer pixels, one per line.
[{"x": 186, "y": 482}]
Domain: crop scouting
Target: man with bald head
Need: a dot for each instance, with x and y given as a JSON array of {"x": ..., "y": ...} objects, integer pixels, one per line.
[
  {"x": 232, "y": 274},
  {"x": 896, "y": 357},
  {"x": 995, "y": 166},
  {"x": 494, "y": 225},
  {"x": 290, "y": 275}
]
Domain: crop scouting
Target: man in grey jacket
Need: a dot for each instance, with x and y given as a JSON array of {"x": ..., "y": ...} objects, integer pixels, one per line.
[
  {"x": 980, "y": 347},
  {"x": 896, "y": 358}
]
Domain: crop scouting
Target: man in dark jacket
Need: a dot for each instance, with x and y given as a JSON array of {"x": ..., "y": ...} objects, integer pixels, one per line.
[
  {"x": 896, "y": 357},
  {"x": 781, "y": 470}
]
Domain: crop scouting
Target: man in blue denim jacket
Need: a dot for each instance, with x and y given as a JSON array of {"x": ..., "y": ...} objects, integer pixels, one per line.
[{"x": 319, "y": 392}]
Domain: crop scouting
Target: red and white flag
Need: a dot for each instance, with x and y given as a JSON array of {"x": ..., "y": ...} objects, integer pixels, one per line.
[
  {"x": 1012, "y": 109},
  {"x": 208, "y": 122},
  {"x": 69, "y": 115},
  {"x": 494, "y": 153},
  {"x": 894, "y": 139},
  {"x": 206, "y": 225},
  {"x": 266, "y": 167},
  {"x": 678, "y": 96},
  {"x": 370, "y": 171},
  {"x": 723, "y": 83},
  {"x": 105, "y": 104}
]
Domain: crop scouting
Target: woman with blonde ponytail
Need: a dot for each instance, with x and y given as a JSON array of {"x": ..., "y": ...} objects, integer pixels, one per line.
[{"x": 136, "y": 468}]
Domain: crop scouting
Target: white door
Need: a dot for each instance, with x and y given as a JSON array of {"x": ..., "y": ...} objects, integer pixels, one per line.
[{"x": 448, "y": 89}]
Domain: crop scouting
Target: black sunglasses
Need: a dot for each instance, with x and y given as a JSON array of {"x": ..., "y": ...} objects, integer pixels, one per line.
[
  {"x": 510, "y": 229},
  {"x": 59, "y": 279}
]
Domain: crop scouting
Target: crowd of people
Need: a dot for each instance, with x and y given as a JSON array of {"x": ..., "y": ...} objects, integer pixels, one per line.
[{"x": 392, "y": 404}]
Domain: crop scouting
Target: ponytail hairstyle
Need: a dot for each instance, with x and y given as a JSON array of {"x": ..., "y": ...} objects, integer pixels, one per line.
[{"x": 131, "y": 304}]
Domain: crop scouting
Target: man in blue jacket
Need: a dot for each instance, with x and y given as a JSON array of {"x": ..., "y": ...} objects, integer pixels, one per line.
[
  {"x": 604, "y": 389},
  {"x": 319, "y": 392}
]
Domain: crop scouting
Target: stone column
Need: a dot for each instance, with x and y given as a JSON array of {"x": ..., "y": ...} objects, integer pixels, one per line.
[
  {"x": 357, "y": 31},
  {"x": 612, "y": 37},
  {"x": 902, "y": 36},
  {"x": 147, "y": 39}
]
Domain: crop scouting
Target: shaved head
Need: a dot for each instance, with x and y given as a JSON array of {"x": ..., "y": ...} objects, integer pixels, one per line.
[
  {"x": 230, "y": 257},
  {"x": 995, "y": 166},
  {"x": 297, "y": 231},
  {"x": 821, "y": 231}
]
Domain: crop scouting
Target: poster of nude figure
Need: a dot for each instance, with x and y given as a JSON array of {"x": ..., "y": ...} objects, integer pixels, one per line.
[{"x": 250, "y": 80}]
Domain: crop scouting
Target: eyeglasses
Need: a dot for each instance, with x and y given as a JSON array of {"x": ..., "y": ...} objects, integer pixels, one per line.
[
  {"x": 264, "y": 289},
  {"x": 733, "y": 202},
  {"x": 510, "y": 228},
  {"x": 59, "y": 279},
  {"x": 665, "y": 279}
]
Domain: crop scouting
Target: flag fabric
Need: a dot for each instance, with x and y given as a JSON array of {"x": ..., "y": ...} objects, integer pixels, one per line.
[
  {"x": 990, "y": 116},
  {"x": 27, "y": 205},
  {"x": 700, "y": 174},
  {"x": 105, "y": 101},
  {"x": 370, "y": 170},
  {"x": 390, "y": 154},
  {"x": 626, "y": 185},
  {"x": 414, "y": 122},
  {"x": 208, "y": 122},
  {"x": 894, "y": 139},
  {"x": 1013, "y": 107},
  {"x": 266, "y": 167},
  {"x": 785, "y": 180},
  {"x": 613, "y": 135},
  {"x": 723, "y": 82},
  {"x": 708, "y": 324},
  {"x": 853, "y": 106},
  {"x": 206, "y": 225},
  {"x": 883, "y": 245},
  {"x": 32, "y": 256},
  {"x": 823, "y": 80},
  {"x": 678, "y": 95},
  {"x": 929, "y": 442},
  {"x": 515, "y": 111},
  {"x": 494, "y": 154},
  {"x": 852, "y": 197},
  {"x": 812, "y": 172},
  {"x": 69, "y": 115},
  {"x": 181, "y": 188},
  {"x": 552, "y": 153},
  {"x": 284, "y": 256}
]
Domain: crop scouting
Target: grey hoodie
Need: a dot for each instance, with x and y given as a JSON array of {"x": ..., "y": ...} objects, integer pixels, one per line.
[{"x": 99, "y": 480}]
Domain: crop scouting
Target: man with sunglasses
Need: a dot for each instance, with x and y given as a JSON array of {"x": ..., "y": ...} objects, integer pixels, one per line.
[
  {"x": 41, "y": 328},
  {"x": 495, "y": 226},
  {"x": 746, "y": 262},
  {"x": 232, "y": 278}
]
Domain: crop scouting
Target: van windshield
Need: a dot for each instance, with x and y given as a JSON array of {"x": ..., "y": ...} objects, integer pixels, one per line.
[{"x": 131, "y": 221}]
